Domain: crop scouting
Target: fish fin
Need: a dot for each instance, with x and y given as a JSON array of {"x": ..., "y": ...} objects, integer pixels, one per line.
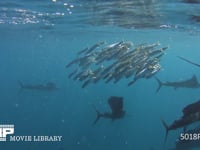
[
  {"x": 159, "y": 84},
  {"x": 194, "y": 78},
  {"x": 98, "y": 116},
  {"x": 166, "y": 128}
]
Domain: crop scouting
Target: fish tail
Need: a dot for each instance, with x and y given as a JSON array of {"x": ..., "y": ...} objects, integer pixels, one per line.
[
  {"x": 166, "y": 128},
  {"x": 159, "y": 84},
  {"x": 98, "y": 116}
]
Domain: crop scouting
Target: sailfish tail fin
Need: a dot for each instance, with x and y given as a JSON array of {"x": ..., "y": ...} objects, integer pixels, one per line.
[
  {"x": 159, "y": 84},
  {"x": 166, "y": 128},
  {"x": 98, "y": 116}
]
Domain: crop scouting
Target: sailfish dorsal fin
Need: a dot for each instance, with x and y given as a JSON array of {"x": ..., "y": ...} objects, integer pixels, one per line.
[{"x": 194, "y": 78}]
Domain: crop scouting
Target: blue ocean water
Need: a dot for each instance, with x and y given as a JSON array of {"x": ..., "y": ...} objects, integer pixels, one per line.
[{"x": 38, "y": 39}]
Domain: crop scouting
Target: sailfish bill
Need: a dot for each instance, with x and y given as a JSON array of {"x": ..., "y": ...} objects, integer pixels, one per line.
[{"x": 198, "y": 65}]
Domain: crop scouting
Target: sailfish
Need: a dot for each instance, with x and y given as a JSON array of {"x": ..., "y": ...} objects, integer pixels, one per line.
[
  {"x": 191, "y": 114},
  {"x": 189, "y": 83},
  {"x": 116, "y": 105}
]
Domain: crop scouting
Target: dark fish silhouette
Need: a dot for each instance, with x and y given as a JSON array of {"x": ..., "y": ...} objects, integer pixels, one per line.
[
  {"x": 190, "y": 83},
  {"x": 49, "y": 86},
  {"x": 191, "y": 114},
  {"x": 191, "y": 108},
  {"x": 181, "y": 123},
  {"x": 198, "y": 65},
  {"x": 192, "y": 1},
  {"x": 83, "y": 51},
  {"x": 116, "y": 105},
  {"x": 94, "y": 47}
]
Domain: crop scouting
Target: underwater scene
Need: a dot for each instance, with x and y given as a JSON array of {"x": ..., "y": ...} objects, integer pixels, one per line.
[{"x": 100, "y": 75}]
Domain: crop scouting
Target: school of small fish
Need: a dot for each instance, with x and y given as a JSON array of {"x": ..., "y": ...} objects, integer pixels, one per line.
[{"x": 116, "y": 61}]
